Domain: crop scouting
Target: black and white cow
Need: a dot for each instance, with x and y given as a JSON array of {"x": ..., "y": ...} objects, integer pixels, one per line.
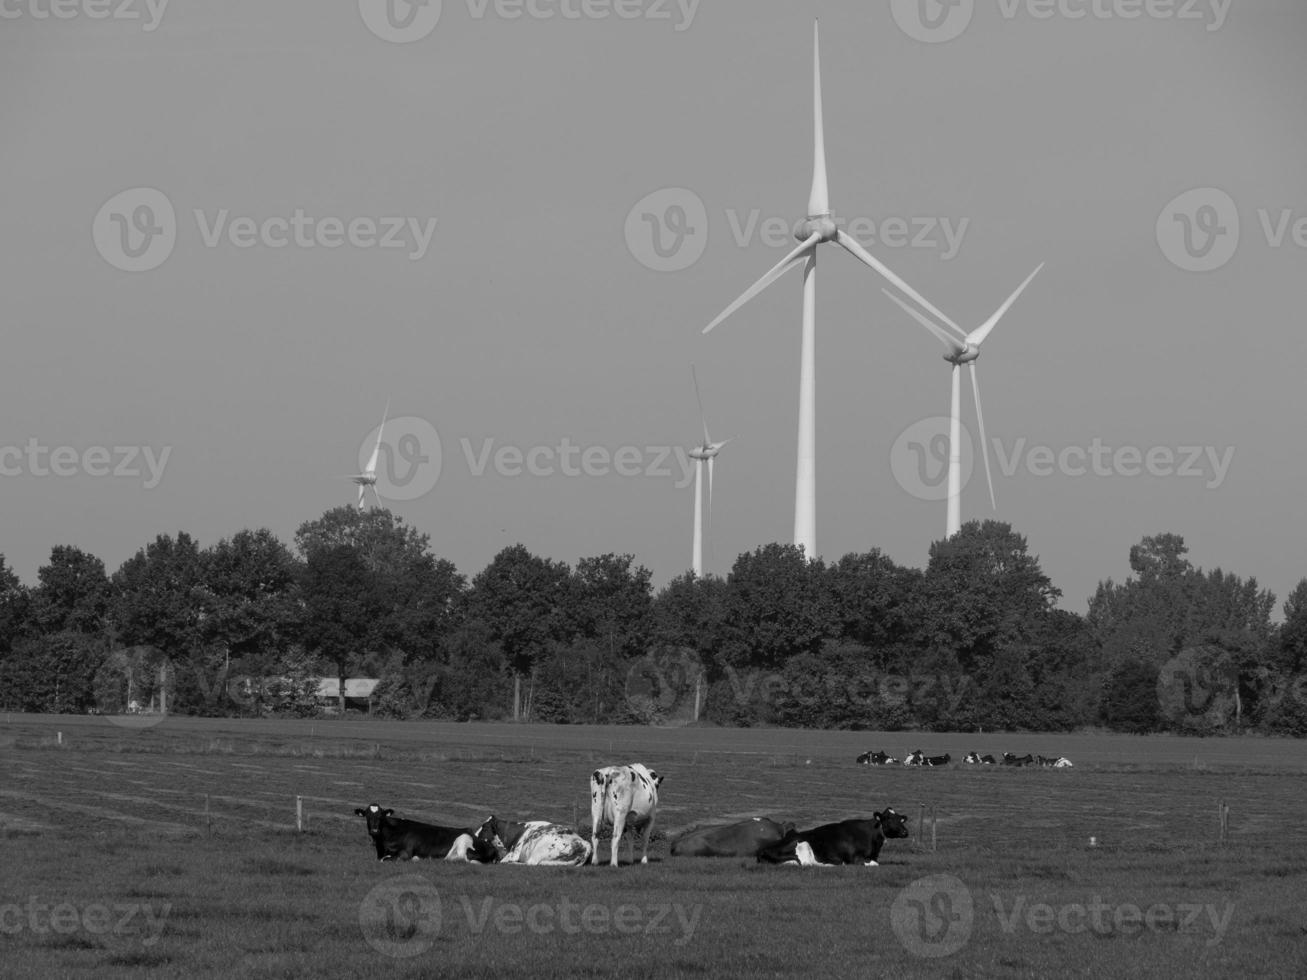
[
  {"x": 1018, "y": 760},
  {"x": 1054, "y": 762},
  {"x": 534, "y": 842},
  {"x": 743, "y": 839},
  {"x": 979, "y": 760},
  {"x": 877, "y": 759},
  {"x": 624, "y": 798},
  {"x": 919, "y": 758},
  {"x": 402, "y": 840},
  {"x": 846, "y": 842}
]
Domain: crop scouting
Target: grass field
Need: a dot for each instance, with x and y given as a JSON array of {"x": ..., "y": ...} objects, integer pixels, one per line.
[{"x": 113, "y": 868}]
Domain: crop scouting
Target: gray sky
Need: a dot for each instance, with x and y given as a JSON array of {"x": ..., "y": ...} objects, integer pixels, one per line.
[{"x": 531, "y": 315}]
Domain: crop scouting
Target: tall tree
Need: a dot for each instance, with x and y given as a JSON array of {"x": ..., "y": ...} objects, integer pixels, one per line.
[
  {"x": 612, "y": 599},
  {"x": 72, "y": 593},
  {"x": 424, "y": 593},
  {"x": 160, "y": 599},
  {"x": 777, "y": 606},
  {"x": 982, "y": 591},
  {"x": 1293, "y": 632},
  {"x": 13, "y": 607},
  {"x": 344, "y": 609},
  {"x": 524, "y": 601}
]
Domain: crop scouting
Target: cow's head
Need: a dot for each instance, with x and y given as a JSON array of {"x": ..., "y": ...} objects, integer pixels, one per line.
[
  {"x": 788, "y": 828},
  {"x": 374, "y": 815},
  {"x": 893, "y": 824},
  {"x": 490, "y": 835},
  {"x": 487, "y": 849}
]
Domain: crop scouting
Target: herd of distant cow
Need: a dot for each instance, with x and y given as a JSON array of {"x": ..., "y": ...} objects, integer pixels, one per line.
[
  {"x": 919, "y": 758},
  {"x": 622, "y": 799}
]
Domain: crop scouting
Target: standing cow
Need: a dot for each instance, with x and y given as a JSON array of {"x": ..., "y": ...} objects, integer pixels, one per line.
[{"x": 622, "y": 795}]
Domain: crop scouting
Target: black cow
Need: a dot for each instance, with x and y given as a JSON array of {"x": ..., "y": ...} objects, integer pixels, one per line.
[
  {"x": 404, "y": 840},
  {"x": 877, "y": 759},
  {"x": 743, "y": 839},
  {"x": 979, "y": 760},
  {"x": 1013, "y": 760},
  {"x": 846, "y": 842}
]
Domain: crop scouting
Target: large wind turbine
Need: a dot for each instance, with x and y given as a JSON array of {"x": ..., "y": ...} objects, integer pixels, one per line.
[
  {"x": 818, "y": 228},
  {"x": 368, "y": 478},
  {"x": 963, "y": 350},
  {"x": 707, "y": 452}
]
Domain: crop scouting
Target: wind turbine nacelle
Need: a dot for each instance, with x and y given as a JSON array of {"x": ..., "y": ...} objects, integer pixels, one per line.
[
  {"x": 965, "y": 356},
  {"x": 822, "y": 225}
]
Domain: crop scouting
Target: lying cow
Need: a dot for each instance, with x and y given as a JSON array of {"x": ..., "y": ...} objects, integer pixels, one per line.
[
  {"x": 534, "y": 842},
  {"x": 404, "y": 840},
  {"x": 979, "y": 760},
  {"x": 847, "y": 842},
  {"x": 743, "y": 839},
  {"x": 1055, "y": 762},
  {"x": 877, "y": 759},
  {"x": 1018, "y": 760},
  {"x": 624, "y": 798},
  {"x": 918, "y": 758}
]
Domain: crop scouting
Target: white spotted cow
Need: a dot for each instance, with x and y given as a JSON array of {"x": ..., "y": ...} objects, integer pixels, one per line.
[
  {"x": 534, "y": 842},
  {"x": 624, "y": 798}
]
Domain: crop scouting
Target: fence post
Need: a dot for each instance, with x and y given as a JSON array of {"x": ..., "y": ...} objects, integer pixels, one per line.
[
  {"x": 208, "y": 821},
  {"x": 921, "y": 827},
  {"x": 932, "y": 828},
  {"x": 299, "y": 814}
]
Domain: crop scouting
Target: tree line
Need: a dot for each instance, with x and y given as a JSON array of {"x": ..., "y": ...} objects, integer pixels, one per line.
[{"x": 973, "y": 641}]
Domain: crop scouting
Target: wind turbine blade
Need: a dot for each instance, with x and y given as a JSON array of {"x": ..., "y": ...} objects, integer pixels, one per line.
[
  {"x": 980, "y": 421},
  {"x": 363, "y": 490},
  {"x": 819, "y": 198},
  {"x": 707, "y": 440},
  {"x": 376, "y": 450},
  {"x": 981, "y": 332},
  {"x": 775, "y": 272},
  {"x": 710, "y": 462},
  {"x": 377, "y": 497},
  {"x": 948, "y": 341},
  {"x": 852, "y": 245}
]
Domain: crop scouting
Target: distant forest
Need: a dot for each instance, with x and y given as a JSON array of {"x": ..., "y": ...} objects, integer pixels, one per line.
[{"x": 247, "y": 626}]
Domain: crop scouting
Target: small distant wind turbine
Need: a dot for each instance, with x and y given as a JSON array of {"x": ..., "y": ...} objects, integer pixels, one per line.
[
  {"x": 707, "y": 452},
  {"x": 963, "y": 349},
  {"x": 368, "y": 478},
  {"x": 819, "y": 228}
]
